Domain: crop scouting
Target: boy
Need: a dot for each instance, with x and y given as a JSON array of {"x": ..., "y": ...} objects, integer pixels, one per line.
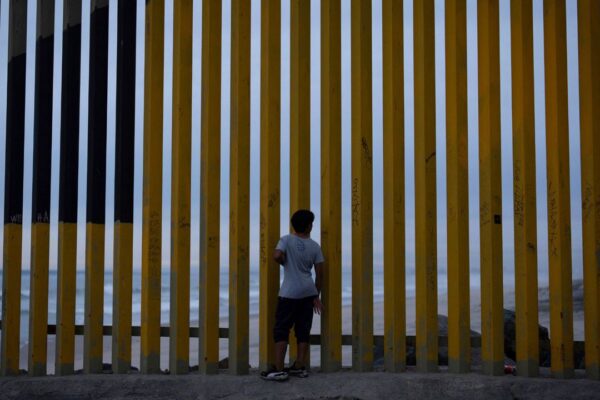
[{"x": 298, "y": 296}]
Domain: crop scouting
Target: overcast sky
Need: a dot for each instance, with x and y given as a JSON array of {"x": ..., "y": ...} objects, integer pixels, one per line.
[{"x": 315, "y": 129}]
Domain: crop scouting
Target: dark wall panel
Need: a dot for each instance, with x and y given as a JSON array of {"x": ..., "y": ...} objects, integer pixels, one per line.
[
  {"x": 42, "y": 122},
  {"x": 69, "y": 128},
  {"x": 125, "y": 133},
  {"x": 96, "y": 166},
  {"x": 15, "y": 113}
]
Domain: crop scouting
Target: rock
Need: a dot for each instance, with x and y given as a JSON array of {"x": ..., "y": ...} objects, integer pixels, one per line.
[
  {"x": 579, "y": 355},
  {"x": 510, "y": 344},
  {"x": 411, "y": 352},
  {"x": 544, "y": 338},
  {"x": 443, "y": 356},
  {"x": 443, "y": 327},
  {"x": 476, "y": 356},
  {"x": 106, "y": 369},
  {"x": 545, "y": 351},
  {"x": 378, "y": 356},
  {"x": 411, "y": 355},
  {"x": 510, "y": 334},
  {"x": 443, "y": 331},
  {"x": 223, "y": 364}
]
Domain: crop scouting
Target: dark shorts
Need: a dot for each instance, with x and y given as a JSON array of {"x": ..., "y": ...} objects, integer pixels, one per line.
[{"x": 293, "y": 312}]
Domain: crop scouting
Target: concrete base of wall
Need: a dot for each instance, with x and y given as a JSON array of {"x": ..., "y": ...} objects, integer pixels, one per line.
[{"x": 340, "y": 385}]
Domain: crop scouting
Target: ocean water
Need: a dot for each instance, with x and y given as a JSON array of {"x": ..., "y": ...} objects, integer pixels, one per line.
[{"x": 254, "y": 293}]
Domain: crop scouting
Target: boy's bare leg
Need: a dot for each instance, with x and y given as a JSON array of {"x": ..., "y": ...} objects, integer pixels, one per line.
[
  {"x": 302, "y": 354},
  {"x": 280, "y": 350}
]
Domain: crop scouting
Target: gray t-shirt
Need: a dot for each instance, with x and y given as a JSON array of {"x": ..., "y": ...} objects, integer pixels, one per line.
[{"x": 300, "y": 256}]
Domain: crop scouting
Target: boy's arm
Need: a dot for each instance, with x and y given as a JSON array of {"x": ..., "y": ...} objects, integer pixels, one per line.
[
  {"x": 279, "y": 253},
  {"x": 317, "y": 305},
  {"x": 319, "y": 276},
  {"x": 279, "y": 257}
]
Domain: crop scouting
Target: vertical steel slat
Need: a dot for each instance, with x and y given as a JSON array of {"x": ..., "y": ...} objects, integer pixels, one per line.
[
  {"x": 490, "y": 188},
  {"x": 589, "y": 103},
  {"x": 300, "y": 105},
  {"x": 210, "y": 184},
  {"x": 68, "y": 183},
  {"x": 124, "y": 172},
  {"x": 559, "y": 200},
  {"x": 457, "y": 171},
  {"x": 270, "y": 111},
  {"x": 152, "y": 186},
  {"x": 42, "y": 162},
  {"x": 96, "y": 188},
  {"x": 179, "y": 345},
  {"x": 425, "y": 187},
  {"x": 239, "y": 188},
  {"x": 362, "y": 187},
  {"x": 393, "y": 187},
  {"x": 13, "y": 188},
  {"x": 299, "y": 117},
  {"x": 524, "y": 188},
  {"x": 331, "y": 189}
]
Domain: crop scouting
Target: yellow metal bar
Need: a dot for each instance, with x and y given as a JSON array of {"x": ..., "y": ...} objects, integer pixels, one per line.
[
  {"x": 393, "y": 192},
  {"x": 559, "y": 202},
  {"x": 122, "y": 296},
  {"x": 362, "y": 188},
  {"x": 589, "y": 103},
  {"x": 96, "y": 183},
  {"x": 66, "y": 290},
  {"x": 38, "y": 301},
  {"x": 299, "y": 115},
  {"x": 11, "y": 298},
  {"x": 179, "y": 345},
  {"x": 40, "y": 229},
  {"x": 524, "y": 187},
  {"x": 270, "y": 108},
  {"x": 94, "y": 298},
  {"x": 152, "y": 187},
  {"x": 67, "y": 208},
  {"x": 457, "y": 171},
  {"x": 124, "y": 180},
  {"x": 490, "y": 188},
  {"x": 331, "y": 190},
  {"x": 239, "y": 184},
  {"x": 210, "y": 186},
  {"x": 425, "y": 187},
  {"x": 13, "y": 188},
  {"x": 300, "y": 106}
]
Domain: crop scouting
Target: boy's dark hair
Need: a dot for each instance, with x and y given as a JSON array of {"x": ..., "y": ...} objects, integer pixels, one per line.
[{"x": 301, "y": 220}]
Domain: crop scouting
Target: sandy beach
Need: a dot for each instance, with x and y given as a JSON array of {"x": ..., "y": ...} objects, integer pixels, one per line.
[{"x": 378, "y": 324}]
